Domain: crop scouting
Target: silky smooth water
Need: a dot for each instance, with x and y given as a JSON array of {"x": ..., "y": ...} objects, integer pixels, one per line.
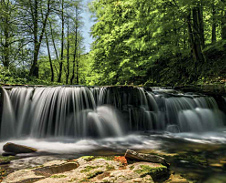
[{"x": 98, "y": 112}]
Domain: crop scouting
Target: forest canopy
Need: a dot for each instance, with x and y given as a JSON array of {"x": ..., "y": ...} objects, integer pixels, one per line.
[{"x": 156, "y": 42}]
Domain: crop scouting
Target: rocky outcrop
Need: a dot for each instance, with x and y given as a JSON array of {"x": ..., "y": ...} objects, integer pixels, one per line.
[
  {"x": 92, "y": 169},
  {"x": 16, "y": 149}
]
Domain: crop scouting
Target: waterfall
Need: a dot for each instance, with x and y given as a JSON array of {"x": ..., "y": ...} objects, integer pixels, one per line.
[{"x": 81, "y": 112}]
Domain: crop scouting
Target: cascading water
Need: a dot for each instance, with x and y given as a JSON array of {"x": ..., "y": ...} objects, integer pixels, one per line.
[{"x": 80, "y": 112}]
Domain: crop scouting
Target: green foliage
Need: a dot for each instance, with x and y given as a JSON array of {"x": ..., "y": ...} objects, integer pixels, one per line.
[
  {"x": 138, "y": 41},
  {"x": 21, "y": 77}
]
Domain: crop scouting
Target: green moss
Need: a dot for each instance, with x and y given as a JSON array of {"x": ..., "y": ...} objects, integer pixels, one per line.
[
  {"x": 91, "y": 175},
  {"x": 58, "y": 176},
  {"x": 88, "y": 158},
  {"x": 73, "y": 180},
  {"x": 131, "y": 168},
  {"x": 105, "y": 180},
  {"x": 193, "y": 158},
  {"x": 84, "y": 180},
  {"x": 4, "y": 159},
  {"x": 89, "y": 168},
  {"x": 109, "y": 158},
  {"x": 94, "y": 174},
  {"x": 145, "y": 169},
  {"x": 109, "y": 167}
]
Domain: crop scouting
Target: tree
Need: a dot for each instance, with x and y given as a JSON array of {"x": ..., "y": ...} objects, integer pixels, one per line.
[
  {"x": 50, "y": 59},
  {"x": 36, "y": 9},
  {"x": 223, "y": 20},
  {"x": 8, "y": 16},
  {"x": 77, "y": 38},
  {"x": 62, "y": 41},
  {"x": 137, "y": 40}
]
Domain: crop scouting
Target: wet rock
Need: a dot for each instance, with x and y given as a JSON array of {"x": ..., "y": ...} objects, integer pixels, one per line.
[
  {"x": 217, "y": 165},
  {"x": 8, "y": 154},
  {"x": 131, "y": 155},
  {"x": 22, "y": 176},
  {"x": 55, "y": 169},
  {"x": 15, "y": 148},
  {"x": 32, "y": 162},
  {"x": 95, "y": 169},
  {"x": 176, "y": 179},
  {"x": 6, "y": 160}
]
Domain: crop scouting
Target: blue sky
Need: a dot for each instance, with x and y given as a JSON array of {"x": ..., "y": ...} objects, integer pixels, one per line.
[{"x": 87, "y": 26}]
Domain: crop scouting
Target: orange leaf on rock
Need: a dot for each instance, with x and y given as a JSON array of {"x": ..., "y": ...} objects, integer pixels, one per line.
[{"x": 121, "y": 159}]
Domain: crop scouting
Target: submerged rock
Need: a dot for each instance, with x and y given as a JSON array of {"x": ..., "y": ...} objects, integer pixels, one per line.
[
  {"x": 173, "y": 129},
  {"x": 175, "y": 178},
  {"x": 16, "y": 149}
]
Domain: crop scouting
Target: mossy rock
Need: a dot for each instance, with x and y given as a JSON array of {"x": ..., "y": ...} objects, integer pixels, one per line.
[
  {"x": 157, "y": 173},
  {"x": 58, "y": 176},
  {"x": 15, "y": 148},
  {"x": 6, "y": 159},
  {"x": 89, "y": 168}
]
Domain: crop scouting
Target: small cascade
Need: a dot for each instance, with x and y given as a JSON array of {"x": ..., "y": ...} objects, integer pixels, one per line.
[
  {"x": 190, "y": 112},
  {"x": 81, "y": 112}
]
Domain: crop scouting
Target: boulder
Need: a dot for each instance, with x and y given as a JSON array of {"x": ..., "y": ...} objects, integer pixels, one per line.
[
  {"x": 8, "y": 154},
  {"x": 131, "y": 155},
  {"x": 16, "y": 149}
]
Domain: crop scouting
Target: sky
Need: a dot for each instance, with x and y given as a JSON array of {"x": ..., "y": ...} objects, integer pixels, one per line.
[{"x": 87, "y": 26}]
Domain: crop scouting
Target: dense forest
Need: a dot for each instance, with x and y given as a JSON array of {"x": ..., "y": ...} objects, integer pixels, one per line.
[{"x": 156, "y": 42}]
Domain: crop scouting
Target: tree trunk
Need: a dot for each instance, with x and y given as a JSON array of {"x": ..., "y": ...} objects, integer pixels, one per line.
[
  {"x": 6, "y": 45},
  {"x": 38, "y": 41},
  {"x": 68, "y": 53},
  {"x": 76, "y": 47},
  {"x": 77, "y": 73},
  {"x": 201, "y": 24},
  {"x": 50, "y": 59},
  {"x": 196, "y": 42},
  {"x": 34, "y": 67},
  {"x": 223, "y": 24},
  {"x": 53, "y": 40},
  {"x": 214, "y": 37},
  {"x": 62, "y": 41}
]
